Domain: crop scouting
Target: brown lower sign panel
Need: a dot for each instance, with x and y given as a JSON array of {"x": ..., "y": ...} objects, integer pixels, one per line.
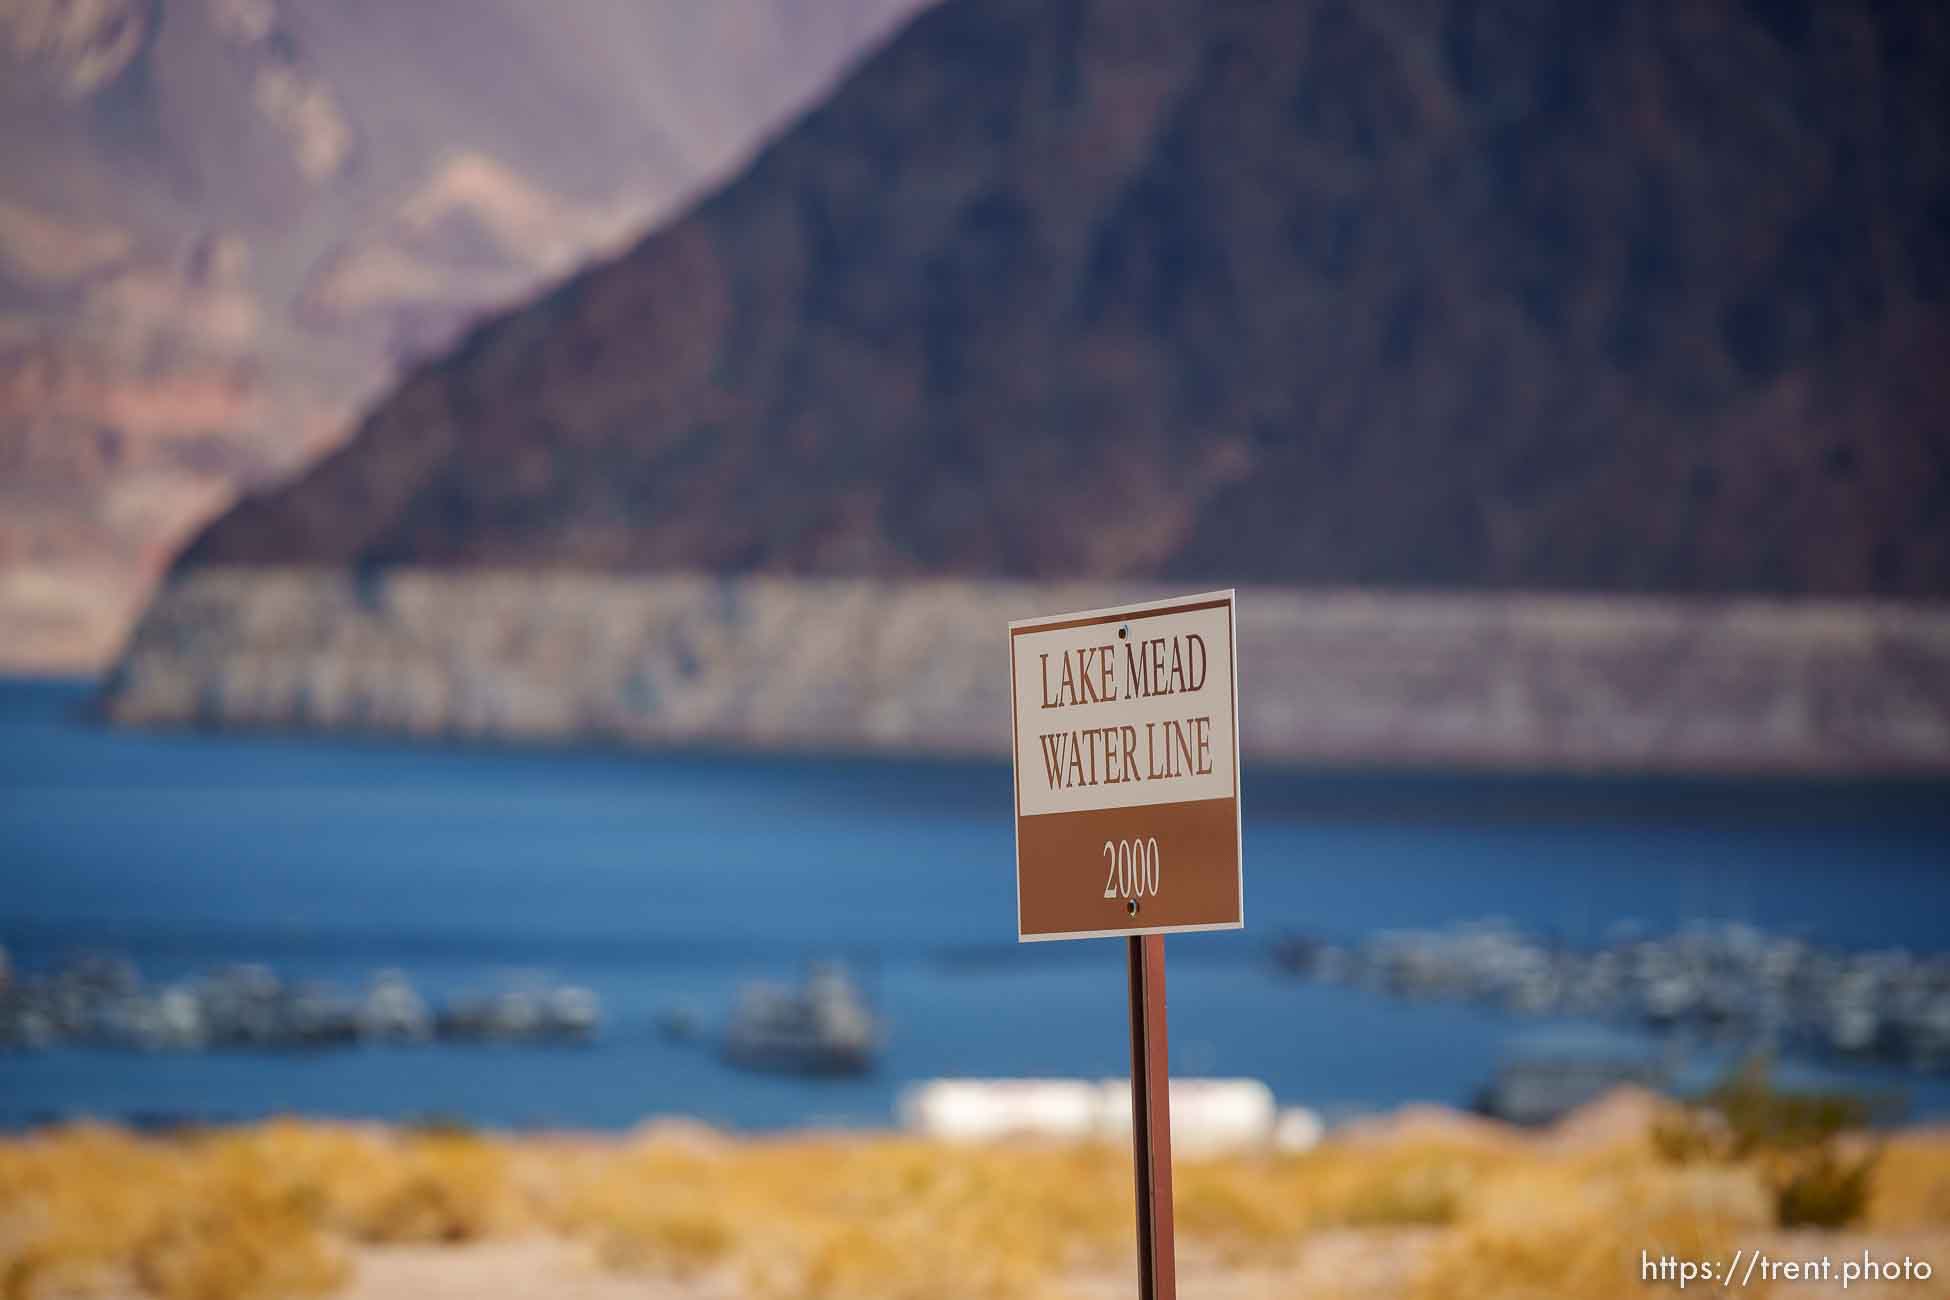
[
  {"x": 1126, "y": 745},
  {"x": 1075, "y": 888}
]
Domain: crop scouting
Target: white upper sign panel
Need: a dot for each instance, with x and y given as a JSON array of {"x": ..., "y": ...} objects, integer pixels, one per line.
[{"x": 1127, "y": 711}]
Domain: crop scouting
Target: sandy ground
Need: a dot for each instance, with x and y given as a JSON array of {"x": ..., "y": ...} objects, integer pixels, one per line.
[
  {"x": 535, "y": 1266},
  {"x": 1344, "y": 1264},
  {"x": 1352, "y": 1264},
  {"x": 1348, "y": 1265}
]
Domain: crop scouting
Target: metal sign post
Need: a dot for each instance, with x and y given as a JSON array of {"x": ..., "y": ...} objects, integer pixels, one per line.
[
  {"x": 1151, "y": 1118},
  {"x": 1126, "y": 758}
]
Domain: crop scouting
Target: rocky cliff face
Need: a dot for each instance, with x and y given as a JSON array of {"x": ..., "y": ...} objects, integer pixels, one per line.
[
  {"x": 1641, "y": 302},
  {"x": 1605, "y": 296},
  {"x": 224, "y": 223}
]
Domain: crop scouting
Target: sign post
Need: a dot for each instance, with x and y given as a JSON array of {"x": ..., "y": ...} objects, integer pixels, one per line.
[
  {"x": 1151, "y": 1118},
  {"x": 1126, "y": 759}
]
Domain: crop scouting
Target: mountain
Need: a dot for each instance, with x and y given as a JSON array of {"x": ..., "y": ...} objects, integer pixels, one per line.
[
  {"x": 1606, "y": 297},
  {"x": 225, "y": 225}
]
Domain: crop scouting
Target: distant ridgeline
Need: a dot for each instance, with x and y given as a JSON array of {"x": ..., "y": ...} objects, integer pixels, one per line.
[{"x": 1642, "y": 308}]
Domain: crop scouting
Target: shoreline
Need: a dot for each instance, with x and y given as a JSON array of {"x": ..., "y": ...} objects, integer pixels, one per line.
[{"x": 1490, "y": 682}]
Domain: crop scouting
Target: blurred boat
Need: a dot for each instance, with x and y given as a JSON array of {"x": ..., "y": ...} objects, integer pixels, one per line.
[
  {"x": 1730, "y": 984},
  {"x": 680, "y": 1025},
  {"x": 99, "y": 1001},
  {"x": 822, "y": 1028},
  {"x": 566, "y": 1014}
]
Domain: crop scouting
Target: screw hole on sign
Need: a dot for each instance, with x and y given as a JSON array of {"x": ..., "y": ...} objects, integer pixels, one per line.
[
  {"x": 1131, "y": 906},
  {"x": 1124, "y": 631}
]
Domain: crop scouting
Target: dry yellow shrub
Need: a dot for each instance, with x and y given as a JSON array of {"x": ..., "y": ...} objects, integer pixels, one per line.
[
  {"x": 246, "y": 1247},
  {"x": 1242, "y": 1208},
  {"x": 444, "y": 1187},
  {"x": 1396, "y": 1184},
  {"x": 1593, "y": 1258},
  {"x": 1546, "y": 1226},
  {"x": 1911, "y": 1183},
  {"x": 76, "y": 1201},
  {"x": 875, "y": 1217},
  {"x": 86, "y": 1201}
]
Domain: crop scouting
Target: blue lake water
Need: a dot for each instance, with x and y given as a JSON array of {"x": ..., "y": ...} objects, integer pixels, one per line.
[{"x": 668, "y": 881}]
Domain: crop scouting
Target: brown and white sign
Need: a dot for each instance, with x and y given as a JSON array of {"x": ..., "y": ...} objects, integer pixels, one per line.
[{"x": 1127, "y": 770}]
